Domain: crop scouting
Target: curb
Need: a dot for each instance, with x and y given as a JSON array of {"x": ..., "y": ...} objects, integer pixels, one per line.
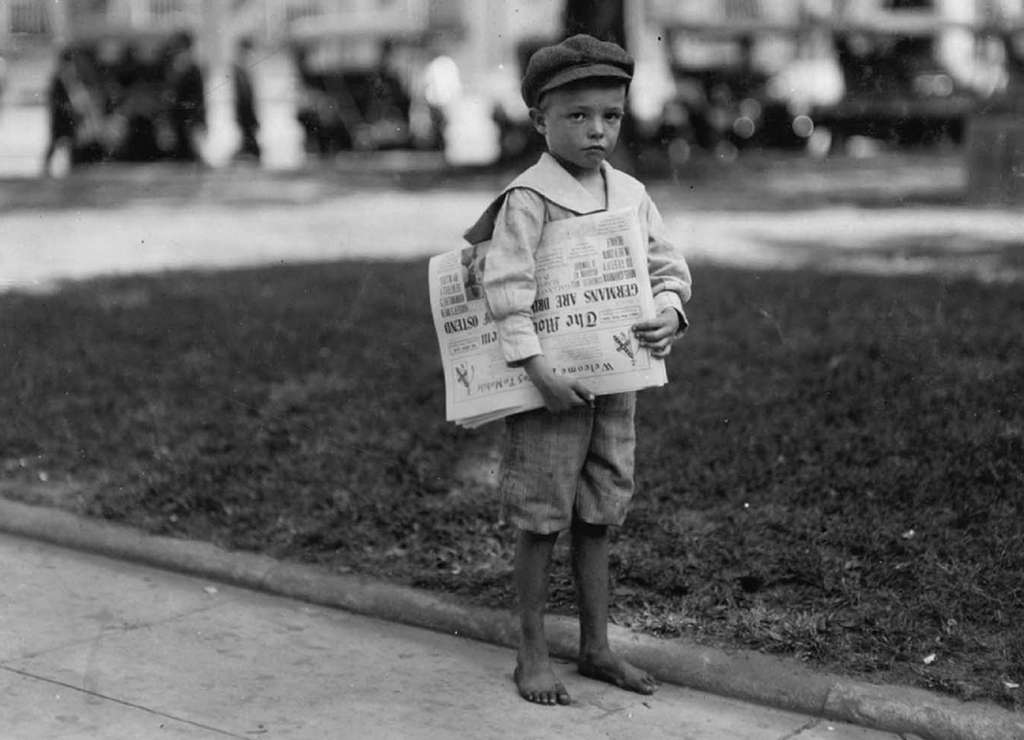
[{"x": 745, "y": 675}]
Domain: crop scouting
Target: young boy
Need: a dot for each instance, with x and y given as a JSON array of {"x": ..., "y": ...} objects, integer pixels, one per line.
[{"x": 570, "y": 465}]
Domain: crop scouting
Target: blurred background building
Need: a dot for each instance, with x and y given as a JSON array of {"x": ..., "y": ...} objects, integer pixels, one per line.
[{"x": 442, "y": 75}]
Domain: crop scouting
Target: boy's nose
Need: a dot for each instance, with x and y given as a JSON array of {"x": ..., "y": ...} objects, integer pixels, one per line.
[{"x": 596, "y": 127}]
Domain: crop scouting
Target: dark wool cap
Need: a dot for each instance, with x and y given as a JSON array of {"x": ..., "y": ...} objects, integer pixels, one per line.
[{"x": 576, "y": 58}]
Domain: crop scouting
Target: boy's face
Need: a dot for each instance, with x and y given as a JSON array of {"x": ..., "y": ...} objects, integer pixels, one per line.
[{"x": 581, "y": 123}]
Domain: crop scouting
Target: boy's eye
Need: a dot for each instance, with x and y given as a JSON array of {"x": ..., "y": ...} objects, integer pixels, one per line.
[
  {"x": 613, "y": 116},
  {"x": 576, "y": 116}
]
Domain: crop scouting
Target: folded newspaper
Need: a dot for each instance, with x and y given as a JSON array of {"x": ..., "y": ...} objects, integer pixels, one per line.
[{"x": 592, "y": 286}]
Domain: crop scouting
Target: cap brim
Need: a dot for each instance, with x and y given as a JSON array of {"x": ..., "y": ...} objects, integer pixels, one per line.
[{"x": 582, "y": 72}]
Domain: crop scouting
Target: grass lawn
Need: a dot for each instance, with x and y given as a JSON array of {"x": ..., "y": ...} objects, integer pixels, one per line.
[{"x": 835, "y": 472}]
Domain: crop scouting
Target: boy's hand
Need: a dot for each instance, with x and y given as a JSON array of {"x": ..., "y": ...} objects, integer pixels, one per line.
[
  {"x": 560, "y": 394},
  {"x": 659, "y": 333}
]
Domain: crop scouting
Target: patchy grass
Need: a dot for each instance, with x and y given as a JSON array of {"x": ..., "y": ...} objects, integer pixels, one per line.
[{"x": 836, "y": 471}]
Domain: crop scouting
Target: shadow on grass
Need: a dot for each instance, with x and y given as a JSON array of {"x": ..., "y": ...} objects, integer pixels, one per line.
[{"x": 836, "y": 470}]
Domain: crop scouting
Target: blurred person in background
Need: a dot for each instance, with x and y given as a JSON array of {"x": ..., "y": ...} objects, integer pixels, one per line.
[
  {"x": 187, "y": 100},
  {"x": 74, "y": 116},
  {"x": 245, "y": 102},
  {"x": 62, "y": 114}
]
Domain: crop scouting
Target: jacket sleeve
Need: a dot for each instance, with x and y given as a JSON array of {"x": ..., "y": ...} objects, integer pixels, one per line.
[
  {"x": 509, "y": 283},
  {"x": 670, "y": 275}
]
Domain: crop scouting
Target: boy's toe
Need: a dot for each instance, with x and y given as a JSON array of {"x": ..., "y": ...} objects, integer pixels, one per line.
[
  {"x": 547, "y": 695},
  {"x": 561, "y": 695},
  {"x": 650, "y": 684}
]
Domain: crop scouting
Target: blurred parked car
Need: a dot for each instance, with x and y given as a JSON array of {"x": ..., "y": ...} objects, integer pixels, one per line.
[
  {"x": 914, "y": 76},
  {"x": 728, "y": 92},
  {"x": 124, "y": 91},
  {"x": 354, "y": 90},
  {"x": 896, "y": 90}
]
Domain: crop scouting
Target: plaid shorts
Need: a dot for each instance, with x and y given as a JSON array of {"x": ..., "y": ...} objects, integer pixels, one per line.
[{"x": 577, "y": 464}]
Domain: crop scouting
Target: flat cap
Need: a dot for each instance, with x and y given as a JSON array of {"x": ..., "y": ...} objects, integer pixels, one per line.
[{"x": 578, "y": 57}]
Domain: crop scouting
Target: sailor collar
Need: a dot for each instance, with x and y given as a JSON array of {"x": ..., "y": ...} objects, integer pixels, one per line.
[{"x": 550, "y": 180}]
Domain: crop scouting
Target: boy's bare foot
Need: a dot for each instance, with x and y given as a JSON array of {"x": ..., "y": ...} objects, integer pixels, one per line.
[
  {"x": 609, "y": 667},
  {"x": 537, "y": 683}
]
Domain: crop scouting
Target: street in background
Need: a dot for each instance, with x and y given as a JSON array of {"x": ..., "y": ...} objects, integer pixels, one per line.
[{"x": 441, "y": 78}]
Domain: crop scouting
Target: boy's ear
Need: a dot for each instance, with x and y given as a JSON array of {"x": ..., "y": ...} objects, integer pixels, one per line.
[{"x": 539, "y": 121}]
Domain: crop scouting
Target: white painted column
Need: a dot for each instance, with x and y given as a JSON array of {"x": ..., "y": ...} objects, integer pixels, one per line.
[
  {"x": 214, "y": 46},
  {"x": 59, "y": 20},
  {"x": 5, "y": 25}
]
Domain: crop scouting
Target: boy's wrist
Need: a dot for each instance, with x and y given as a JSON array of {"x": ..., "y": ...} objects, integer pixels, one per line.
[
  {"x": 536, "y": 366},
  {"x": 540, "y": 372},
  {"x": 679, "y": 322},
  {"x": 673, "y": 317}
]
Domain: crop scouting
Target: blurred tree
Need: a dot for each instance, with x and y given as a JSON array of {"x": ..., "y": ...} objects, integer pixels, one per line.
[
  {"x": 606, "y": 20},
  {"x": 603, "y": 19}
]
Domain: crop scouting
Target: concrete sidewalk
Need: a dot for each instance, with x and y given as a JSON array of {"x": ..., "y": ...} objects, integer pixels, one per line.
[
  {"x": 92, "y": 647},
  {"x": 745, "y": 676}
]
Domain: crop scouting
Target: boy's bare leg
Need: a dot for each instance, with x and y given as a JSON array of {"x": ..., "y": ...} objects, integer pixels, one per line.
[
  {"x": 533, "y": 675},
  {"x": 590, "y": 569}
]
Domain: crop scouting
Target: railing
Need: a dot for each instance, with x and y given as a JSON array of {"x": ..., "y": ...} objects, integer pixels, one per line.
[
  {"x": 269, "y": 18},
  {"x": 27, "y": 17},
  {"x": 173, "y": 11},
  {"x": 159, "y": 13}
]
